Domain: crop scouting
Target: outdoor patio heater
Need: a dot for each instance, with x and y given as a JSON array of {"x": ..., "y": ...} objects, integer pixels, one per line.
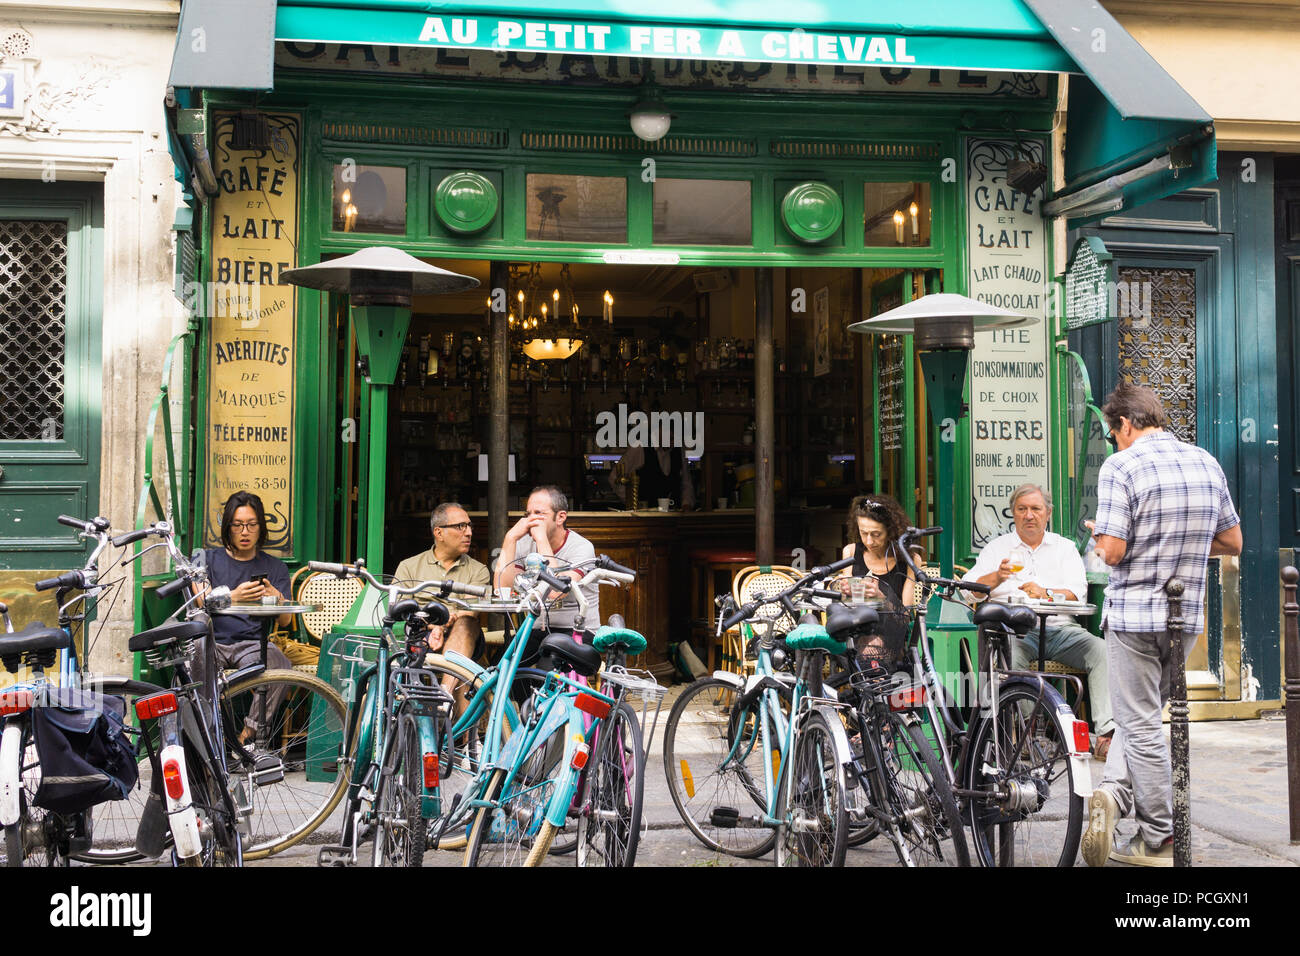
[
  {"x": 943, "y": 326},
  {"x": 379, "y": 282}
]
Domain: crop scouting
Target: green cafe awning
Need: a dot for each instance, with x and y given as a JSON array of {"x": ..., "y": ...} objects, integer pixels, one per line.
[{"x": 1133, "y": 135}]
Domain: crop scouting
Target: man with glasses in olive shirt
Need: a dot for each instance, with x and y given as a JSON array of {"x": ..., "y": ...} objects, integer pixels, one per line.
[{"x": 449, "y": 559}]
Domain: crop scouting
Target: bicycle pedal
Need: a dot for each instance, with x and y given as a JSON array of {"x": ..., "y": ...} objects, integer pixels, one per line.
[
  {"x": 267, "y": 770},
  {"x": 335, "y": 855},
  {"x": 724, "y": 818}
]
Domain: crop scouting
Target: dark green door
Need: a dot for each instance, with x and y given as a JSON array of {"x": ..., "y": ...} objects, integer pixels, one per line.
[{"x": 50, "y": 392}]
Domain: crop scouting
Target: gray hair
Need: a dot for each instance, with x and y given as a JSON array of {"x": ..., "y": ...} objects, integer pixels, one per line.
[
  {"x": 439, "y": 515},
  {"x": 1029, "y": 488},
  {"x": 559, "y": 502}
]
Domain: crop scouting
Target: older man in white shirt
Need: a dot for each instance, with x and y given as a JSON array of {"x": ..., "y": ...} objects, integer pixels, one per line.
[{"x": 1040, "y": 564}]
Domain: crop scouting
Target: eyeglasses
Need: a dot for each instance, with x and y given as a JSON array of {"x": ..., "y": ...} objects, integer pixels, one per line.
[
  {"x": 244, "y": 525},
  {"x": 1112, "y": 440},
  {"x": 462, "y": 527}
]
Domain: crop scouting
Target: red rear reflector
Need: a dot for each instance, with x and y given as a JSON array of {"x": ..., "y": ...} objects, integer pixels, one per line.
[
  {"x": 1081, "y": 742},
  {"x": 908, "y": 698},
  {"x": 147, "y": 708},
  {"x": 172, "y": 779},
  {"x": 592, "y": 705},
  {"x": 430, "y": 771},
  {"x": 15, "y": 702},
  {"x": 580, "y": 756}
]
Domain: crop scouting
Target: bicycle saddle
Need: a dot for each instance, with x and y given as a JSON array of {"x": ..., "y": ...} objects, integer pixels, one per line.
[
  {"x": 844, "y": 621},
  {"x": 1020, "y": 619},
  {"x": 175, "y": 631},
  {"x": 580, "y": 658},
  {"x": 34, "y": 637}
]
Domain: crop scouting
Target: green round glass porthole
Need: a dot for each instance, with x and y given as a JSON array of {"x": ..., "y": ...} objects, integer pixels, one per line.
[
  {"x": 812, "y": 212},
  {"x": 465, "y": 202}
]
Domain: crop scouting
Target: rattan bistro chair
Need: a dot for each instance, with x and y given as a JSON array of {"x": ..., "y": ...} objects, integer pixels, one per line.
[{"x": 749, "y": 583}]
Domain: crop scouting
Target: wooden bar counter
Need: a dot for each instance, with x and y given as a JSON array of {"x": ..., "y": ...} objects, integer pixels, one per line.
[{"x": 654, "y": 543}]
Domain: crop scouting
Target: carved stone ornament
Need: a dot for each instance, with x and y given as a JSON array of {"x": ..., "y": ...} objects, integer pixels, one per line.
[{"x": 29, "y": 109}]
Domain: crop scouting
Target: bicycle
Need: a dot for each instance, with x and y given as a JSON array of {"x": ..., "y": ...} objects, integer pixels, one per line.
[
  {"x": 259, "y": 791},
  {"x": 394, "y": 730},
  {"x": 729, "y": 742},
  {"x": 1021, "y": 770},
  {"x": 578, "y": 754},
  {"x": 91, "y": 835},
  {"x": 901, "y": 785}
]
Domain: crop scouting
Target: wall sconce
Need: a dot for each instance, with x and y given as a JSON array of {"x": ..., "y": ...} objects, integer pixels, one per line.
[
  {"x": 898, "y": 227},
  {"x": 913, "y": 211}
]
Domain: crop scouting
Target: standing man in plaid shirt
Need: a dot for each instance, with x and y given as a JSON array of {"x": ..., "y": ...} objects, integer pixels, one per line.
[{"x": 1163, "y": 509}]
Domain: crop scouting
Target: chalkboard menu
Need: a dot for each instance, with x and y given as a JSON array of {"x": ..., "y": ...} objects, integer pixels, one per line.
[{"x": 891, "y": 359}]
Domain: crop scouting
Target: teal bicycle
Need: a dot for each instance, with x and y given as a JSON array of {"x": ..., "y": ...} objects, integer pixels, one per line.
[
  {"x": 729, "y": 741},
  {"x": 578, "y": 754},
  {"x": 393, "y": 734}
]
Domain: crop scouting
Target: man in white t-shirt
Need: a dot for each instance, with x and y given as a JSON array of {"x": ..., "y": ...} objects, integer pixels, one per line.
[
  {"x": 1051, "y": 566},
  {"x": 543, "y": 529}
]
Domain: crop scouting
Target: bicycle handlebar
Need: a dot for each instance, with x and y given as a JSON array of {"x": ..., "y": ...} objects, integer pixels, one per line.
[
  {"x": 130, "y": 537},
  {"x": 70, "y": 579},
  {"x": 171, "y": 587},
  {"x": 934, "y": 580}
]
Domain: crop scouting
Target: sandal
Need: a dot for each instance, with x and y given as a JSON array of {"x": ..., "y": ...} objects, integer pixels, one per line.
[{"x": 1101, "y": 748}]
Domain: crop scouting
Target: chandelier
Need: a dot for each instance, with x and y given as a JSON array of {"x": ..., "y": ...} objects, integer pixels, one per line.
[{"x": 544, "y": 321}]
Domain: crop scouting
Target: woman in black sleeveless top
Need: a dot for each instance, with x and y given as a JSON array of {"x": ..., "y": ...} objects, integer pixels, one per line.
[{"x": 875, "y": 524}]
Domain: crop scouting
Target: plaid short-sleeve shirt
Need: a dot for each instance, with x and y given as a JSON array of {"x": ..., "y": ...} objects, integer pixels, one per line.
[{"x": 1167, "y": 499}]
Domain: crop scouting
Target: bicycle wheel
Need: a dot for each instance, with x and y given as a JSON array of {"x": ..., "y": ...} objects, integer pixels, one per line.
[
  {"x": 38, "y": 838},
  {"x": 514, "y": 831},
  {"x": 114, "y": 824},
  {"x": 460, "y": 752},
  {"x": 706, "y": 772},
  {"x": 294, "y": 774},
  {"x": 1031, "y": 816},
  {"x": 928, "y": 826},
  {"x": 400, "y": 830},
  {"x": 811, "y": 803},
  {"x": 609, "y": 821}
]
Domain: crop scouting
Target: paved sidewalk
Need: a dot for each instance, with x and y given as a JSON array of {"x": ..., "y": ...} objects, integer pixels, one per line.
[{"x": 1239, "y": 807}]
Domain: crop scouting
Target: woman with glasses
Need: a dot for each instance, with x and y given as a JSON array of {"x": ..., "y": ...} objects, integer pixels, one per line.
[
  {"x": 875, "y": 523},
  {"x": 251, "y": 574}
]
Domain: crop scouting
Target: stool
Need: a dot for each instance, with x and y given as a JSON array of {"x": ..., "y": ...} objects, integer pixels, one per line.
[{"x": 706, "y": 565}]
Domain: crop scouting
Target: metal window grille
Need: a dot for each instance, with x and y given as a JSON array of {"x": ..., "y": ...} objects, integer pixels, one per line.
[
  {"x": 33, "y": 328},
  {"x": 1157, "y": 339}
]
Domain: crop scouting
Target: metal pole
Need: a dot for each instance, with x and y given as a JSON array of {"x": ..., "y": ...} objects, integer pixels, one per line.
[
  {"x": 1292, "y": 660},
  {"x": 499, "y": 409},
  {"x": 764, "y": 419},
  {"x": 1180, "y": 758}
]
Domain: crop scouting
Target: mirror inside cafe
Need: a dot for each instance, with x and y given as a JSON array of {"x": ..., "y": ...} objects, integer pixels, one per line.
[{"x": 633, "y": 389}]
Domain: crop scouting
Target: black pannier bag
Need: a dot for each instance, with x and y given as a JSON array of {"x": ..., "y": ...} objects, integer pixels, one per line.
[{"x": 86, "y": 756}]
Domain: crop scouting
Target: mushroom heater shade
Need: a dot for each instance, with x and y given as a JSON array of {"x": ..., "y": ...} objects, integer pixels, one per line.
[
  {"x": 942, "y": 320},
  {"x": 379, "y": 275}
]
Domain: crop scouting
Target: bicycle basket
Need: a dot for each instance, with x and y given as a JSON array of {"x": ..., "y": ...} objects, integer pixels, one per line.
[
  {"x": 85, "y": 754},
  {"x": 886, "y": 643}
]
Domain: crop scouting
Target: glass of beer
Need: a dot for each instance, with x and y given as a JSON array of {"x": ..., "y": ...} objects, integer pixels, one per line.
[{"x": 1019, "y": 559}]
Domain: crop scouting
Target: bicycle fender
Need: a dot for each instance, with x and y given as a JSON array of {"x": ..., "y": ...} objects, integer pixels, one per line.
[
  {"x": 9, "y": 782},
  {"x": 452, "y": 657},
  {"x": 557, "y": 811},
  {"x": 842, "y": 749},
  {"x": 735, "y": 680},
  {"x": 1081, "y": 763},
  {"x": 428, "y": 745}
]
